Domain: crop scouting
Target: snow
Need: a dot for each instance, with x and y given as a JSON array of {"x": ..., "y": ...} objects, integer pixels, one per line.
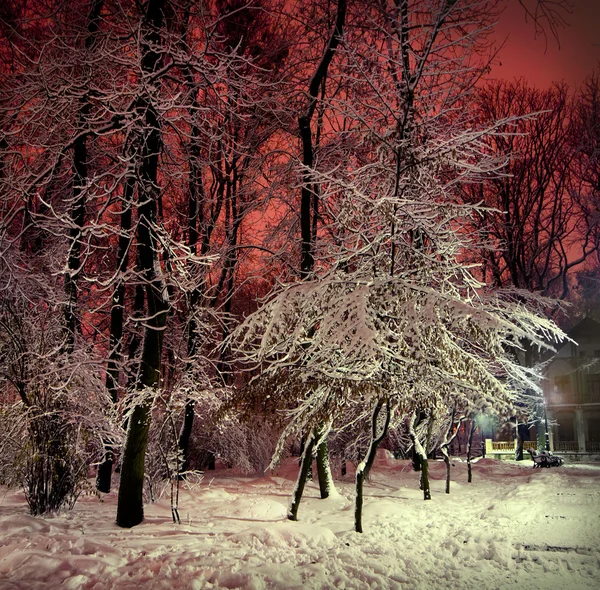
[{"x": 512, "y": 527}]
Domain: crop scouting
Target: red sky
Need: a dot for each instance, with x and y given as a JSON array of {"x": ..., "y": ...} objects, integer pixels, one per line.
[{"x": 543, "y": 61}]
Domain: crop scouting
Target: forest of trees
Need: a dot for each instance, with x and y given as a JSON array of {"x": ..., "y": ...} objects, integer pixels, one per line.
[{"x": 230, "y": 228}]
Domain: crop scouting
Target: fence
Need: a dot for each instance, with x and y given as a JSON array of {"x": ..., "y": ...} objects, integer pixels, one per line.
[
  {"x": 568, "y": 446},
  {"x": 562, "y": 446},
  {"x": 506, "y": 447}
]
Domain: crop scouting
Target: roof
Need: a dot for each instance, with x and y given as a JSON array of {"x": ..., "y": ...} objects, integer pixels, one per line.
[
  {"x": 585, "y": 333},
  {"x": 586, "y": 327}
]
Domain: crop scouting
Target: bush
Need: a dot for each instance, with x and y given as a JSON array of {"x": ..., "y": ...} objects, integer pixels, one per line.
[
  {"x": 55, "y": 471},
  {"x": 53, "y": 433}
]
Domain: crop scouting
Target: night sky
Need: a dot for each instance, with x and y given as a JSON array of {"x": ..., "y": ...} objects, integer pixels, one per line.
[{"x": 540, "y": 60}]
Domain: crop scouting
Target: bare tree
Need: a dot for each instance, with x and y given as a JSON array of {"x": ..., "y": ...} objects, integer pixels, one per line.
[
  {"x": 534, "y": 233},
  {"x": 130, "y": 505}
]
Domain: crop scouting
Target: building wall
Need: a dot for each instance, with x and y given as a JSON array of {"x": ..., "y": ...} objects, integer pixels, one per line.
[{"x": 572, "y": 391}]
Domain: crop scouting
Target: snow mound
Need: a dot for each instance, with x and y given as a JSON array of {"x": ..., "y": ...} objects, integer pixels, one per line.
[
  {"x": 290, "y": 534},
  {"x": 252, "y": 508},
  {"x": 385, "y": 459}
]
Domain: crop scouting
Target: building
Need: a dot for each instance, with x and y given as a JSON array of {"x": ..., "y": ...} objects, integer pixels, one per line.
[{"x": 572, "y": 392}]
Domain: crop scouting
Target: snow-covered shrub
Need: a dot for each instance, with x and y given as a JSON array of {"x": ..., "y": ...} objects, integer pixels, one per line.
[
  {"x": 164, "y": 460},
  {"x": 244, "y": 442},
  {"x": 13, "y": 431},
  {"x": 55, "y": 468},
  {"x": 62, "y": 410}
]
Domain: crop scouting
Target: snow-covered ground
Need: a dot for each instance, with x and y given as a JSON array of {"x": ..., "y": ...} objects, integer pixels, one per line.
[{"x": 513, "y": 527}]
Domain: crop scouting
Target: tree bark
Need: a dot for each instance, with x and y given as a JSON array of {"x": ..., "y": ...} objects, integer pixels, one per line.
[
  {"x": 362, "y": 471},
  {"x": 308, "y": 204},
  {"x": 194, "y": 207},
  {"x": 104, "y": 476},
  {"x": 195, "y": 217},
  {"x": 522, "y": 432},
  {"x": 422, "y": 454},
  {"x": 308, "y": 199},
  {"x": 77, "y": 213},
  {"x": 305, "y": 466},
  {"x": 323, "y": 465},
  {"x": 130, "y": 509},
  {"x": 469, "y": 449},
  {"x": 449, "y": 437}
]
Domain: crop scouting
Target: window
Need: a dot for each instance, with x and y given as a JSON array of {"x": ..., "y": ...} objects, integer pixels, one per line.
[
  {"x": 563, "y": 393},
  {"x": 592, "y": 393},
  {"x": 593, "y": 427},
  {"x": 563, "y": 383},
  {"x": 566, "y": 430}
]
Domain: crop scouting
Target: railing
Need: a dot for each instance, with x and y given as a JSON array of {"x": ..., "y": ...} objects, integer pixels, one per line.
[
  {"x": 561, "y": 446},
  {"x": 572, "y": 398},
  {"x": 566, "y": 445},
  {"x": 503, "y": 446},
  {"x": 510, "y": 446}
]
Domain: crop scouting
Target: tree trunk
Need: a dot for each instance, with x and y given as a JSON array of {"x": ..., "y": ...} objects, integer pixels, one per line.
[
  {"x": 305, "y": 466},
  {"x": 415, "y": 460},
  {"x": 104, "y": 476},
  {"x": 77, "y": 213},
  {"x": 194, "y": 206},
  {"x": 195, "y": 217},
  {"x": 422, "y": 455},
  {"x": 185, "y": 434},
  {"x": 522, "y": 432},
  {"x": 130, "y": 509},
  {"x": 425, "y": 480},
  {"x": 446, "y": 457},
  {"x": 308, "y": 201},
  {"x": 469, "y": 448},
  {"x": 449, "y": 437},
  {"x": 362, "y": 471},
  {"x": 323, "y": 466}
]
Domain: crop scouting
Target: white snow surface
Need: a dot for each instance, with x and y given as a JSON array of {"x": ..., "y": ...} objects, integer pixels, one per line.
[{"x": 513, "y": 527}]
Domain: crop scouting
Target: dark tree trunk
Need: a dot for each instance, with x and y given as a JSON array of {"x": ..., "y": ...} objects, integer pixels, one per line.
[
  {"x": 469, "y": 449},
  {"x": 77, "y": 213},
  {"x": 449, "y": 437},
  {"x": 446, "y": 458},
  {"x": 305, "y": 466},
  {"x": 323, "y": 466},
  {"x": 118, "y": 300},
  {"x": 130, "y": 508},
  {"x": 425, "y": 480},
  {"x": 193, "y": 214},
  {"x": 415, "y": 460},
  {"x": 422, "y": 455},
  {"x": 522, "y": 436},
  {"x": 308, "y": 201},
  {"x": 135, "y": 340},
  {"x": 195, "y": 218},
  {"x": 103, "y": 478},
  {"x": 75, "y": 243},
  {"x": 185, "y": 434},
  {"x": 362, "y": 471}
]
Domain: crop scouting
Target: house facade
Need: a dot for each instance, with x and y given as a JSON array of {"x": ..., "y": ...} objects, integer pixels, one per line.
[{"x": 572, "y": 392}]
